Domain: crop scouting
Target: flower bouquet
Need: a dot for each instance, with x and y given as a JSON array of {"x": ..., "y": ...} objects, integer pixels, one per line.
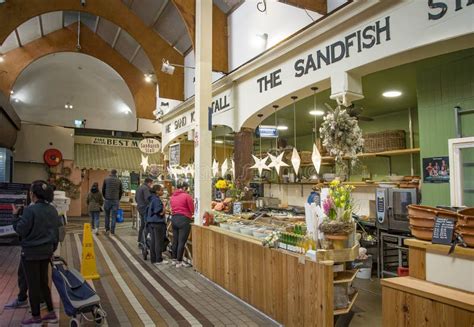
[{"x": 337, "y": 208}]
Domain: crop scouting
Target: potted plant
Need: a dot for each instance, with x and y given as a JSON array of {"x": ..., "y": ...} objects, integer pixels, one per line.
[{"x": 338, "y": 224}]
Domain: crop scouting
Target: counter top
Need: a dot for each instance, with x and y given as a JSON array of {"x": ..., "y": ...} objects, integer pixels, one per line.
[
  {"x": 450, "y": 296},
  {"x": 440, "y": 248}
]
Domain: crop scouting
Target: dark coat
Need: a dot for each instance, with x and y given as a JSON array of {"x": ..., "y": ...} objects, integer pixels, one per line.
[
  {"x": 95, "y": 201},
  {"x": 38, "y": 228},
  {"x": 112, "y": 188},
  {"x": 156, "y": 210},
  {"x": 142, "y": 197}
]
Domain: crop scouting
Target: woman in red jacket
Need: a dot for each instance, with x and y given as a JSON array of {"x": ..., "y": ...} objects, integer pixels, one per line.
[{"x": 182, "y": 209}]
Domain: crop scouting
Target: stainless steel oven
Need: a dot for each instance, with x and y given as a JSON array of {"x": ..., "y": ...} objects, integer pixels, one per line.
[{"x": 391, "y": 206}]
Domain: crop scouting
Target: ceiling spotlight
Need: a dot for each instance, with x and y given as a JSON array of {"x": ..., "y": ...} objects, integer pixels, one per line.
[
  {"x": 68, "y": 105},
  {"x": 149, "y": 77},
  {"x": 282, "y": 128},
  {"x": 2, "y": 57},
  {"x": 219, "y": 141},
  {"x": 316, "y": 112},
  {"x": 16, "y": 100},
  {"x": 11, "y": 92},
  {"x": 167, "y": 68},
  {"x": 392, "y": 94}
]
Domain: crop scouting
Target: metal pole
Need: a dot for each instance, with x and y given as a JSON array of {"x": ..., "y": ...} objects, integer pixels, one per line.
[
  {"x": 457, "y": 121},
  {"x": 410, "y": 129}
]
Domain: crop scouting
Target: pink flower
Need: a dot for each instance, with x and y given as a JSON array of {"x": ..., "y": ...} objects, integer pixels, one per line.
[{"x": 327, "y": 205}]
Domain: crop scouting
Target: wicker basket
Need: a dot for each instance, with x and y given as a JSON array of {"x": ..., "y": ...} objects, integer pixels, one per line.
[{"x": 384, "y": 141}]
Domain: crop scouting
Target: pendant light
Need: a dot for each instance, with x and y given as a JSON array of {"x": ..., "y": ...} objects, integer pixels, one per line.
[
  {"x": 295, "y": 157},
  {"x": 259, "y": 163},
  {"x": 277, "y": 159},
  {"x": 225, "y": 164},
  {"x": 215, "y": 163},
  {"x": 316, "y": 155}
]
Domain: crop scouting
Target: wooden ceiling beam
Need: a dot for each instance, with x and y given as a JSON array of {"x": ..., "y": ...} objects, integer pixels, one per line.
[
  {"x": 319, "y": 6},
  {"x": 16, "y": 12},
  {"x": 220, "y": 56},
  {"x": 64, "y": 40}
]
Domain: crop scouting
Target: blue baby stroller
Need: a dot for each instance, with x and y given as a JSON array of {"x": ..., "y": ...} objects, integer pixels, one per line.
[{"x": 77, "y": 296}]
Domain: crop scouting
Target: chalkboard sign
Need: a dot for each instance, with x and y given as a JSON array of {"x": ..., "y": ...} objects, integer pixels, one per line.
[
  {"x": 443, "y": 230},
  {"x": 174, "y": 154}
]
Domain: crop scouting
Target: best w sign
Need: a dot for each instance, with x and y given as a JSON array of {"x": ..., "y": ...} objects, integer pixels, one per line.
[{"x": 149, "y": 146}]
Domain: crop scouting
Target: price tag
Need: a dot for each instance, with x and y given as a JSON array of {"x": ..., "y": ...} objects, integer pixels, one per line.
[{"x": 443, "y": 230}]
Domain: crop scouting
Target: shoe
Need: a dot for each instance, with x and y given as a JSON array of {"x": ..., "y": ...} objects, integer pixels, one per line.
[
  {"x": 107, "y": 232},
  {"x": 174, "y": 261},
  {"x": 50, "y": 318},
  {"x": 96, "y": 231},
  {"x": 16, "y": 304},
  {"x": 112, "y": 232},
  {"x": 32, "y": 322},
  {"x": 183, "y": 264}
]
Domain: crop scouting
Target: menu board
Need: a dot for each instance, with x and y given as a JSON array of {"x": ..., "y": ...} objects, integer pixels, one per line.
[
  {"x": 12, "y": 193},
  {"x": 134, "y": 181},
  {"x": 443, "y": 231},
  {"x": 175, "y": 154},
  {"x": 125, "y": 183}
]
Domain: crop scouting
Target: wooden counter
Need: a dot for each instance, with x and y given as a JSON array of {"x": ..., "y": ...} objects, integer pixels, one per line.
[
  {"x": 408, "y": 301},
  {"x": 285, "y": 286}
]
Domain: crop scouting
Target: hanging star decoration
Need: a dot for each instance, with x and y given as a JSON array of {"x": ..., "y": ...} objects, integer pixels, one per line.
[
  {"x": 144, "y": 163},
  {"x": 277, "y": 162},
  {"x": 187, "y": 170},
  {"x": 191, "y": 169},
  {"x": 316, "y": 158},
  {"x": 260, "y": 164},
  {"x": 215, "y": 168},
  {"x": 295, "y": 160},
  {"x": 224, "y": 167}
]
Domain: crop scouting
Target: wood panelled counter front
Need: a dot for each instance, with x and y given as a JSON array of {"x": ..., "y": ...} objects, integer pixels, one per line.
[{"x": 292, "y": 291}]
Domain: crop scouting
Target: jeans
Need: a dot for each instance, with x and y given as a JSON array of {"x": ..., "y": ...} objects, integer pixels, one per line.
[
  {"x": 110, "y": 208},
  {"x": 181, "y": 229},
  {"x": 95, "y": 215},
  {"x": 38, "y": 287},
  {"x": 142, "y": 213},
  {"x": 158, "y": 233}
]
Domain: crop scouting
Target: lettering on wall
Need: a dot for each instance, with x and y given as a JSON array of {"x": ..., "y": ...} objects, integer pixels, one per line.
[
  {"x": 219, "y": 104},
  {"x": 440, "y": 8},
  {"x": 269, "y": 81},
  {"x": 359, "y": 41},
  {"x": 115, "y": 142}
]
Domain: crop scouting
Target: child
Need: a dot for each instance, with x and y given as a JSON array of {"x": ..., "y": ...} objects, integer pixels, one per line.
[{"x": 95, "y": 201}]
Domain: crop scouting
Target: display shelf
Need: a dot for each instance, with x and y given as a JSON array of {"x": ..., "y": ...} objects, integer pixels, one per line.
[
  {"x": 346, "y": 276},
  {"x": 351, "y": 304},
  {"x": 342, "y": 255}
]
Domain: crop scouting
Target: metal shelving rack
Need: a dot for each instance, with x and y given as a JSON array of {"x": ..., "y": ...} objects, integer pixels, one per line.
[{"x": 392, "y": 253}]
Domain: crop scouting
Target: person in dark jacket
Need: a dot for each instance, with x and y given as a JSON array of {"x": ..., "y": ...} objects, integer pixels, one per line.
[
  {"x": 95, "y": 201},
  {"x": 156, "y": 221},
  {"x": 38, "y": 228},
  {"x": 142, "y": 198},
  {"x": 112, "y": 191}
]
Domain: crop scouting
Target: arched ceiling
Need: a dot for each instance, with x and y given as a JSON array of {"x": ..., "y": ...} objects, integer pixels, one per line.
[{"x": 96, "y": 92}]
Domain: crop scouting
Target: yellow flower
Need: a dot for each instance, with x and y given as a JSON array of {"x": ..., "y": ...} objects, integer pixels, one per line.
[
  {"x": 343, "y": 198},
  {"x": 335, "y": 183},
  {"x": 221, "y": 184}
]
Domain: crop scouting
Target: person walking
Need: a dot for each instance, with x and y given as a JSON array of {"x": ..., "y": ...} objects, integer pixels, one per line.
[
  {"x": 112, "y": 191},
  {"x": 142, "y": 197},
  {"x": 95, "y": 201},
  {"x": 38, "y": 228},
  {"x": 182, "y": 209},
  {"x": 156, "y": 222}
]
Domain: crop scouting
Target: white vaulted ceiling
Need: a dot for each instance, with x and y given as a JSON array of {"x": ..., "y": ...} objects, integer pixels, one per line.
[{"x": 97, "y": 93}]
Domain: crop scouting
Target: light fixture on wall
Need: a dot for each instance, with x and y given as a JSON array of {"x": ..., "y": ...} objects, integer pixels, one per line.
[
  {"x": 219, "y": 141},
  {"x": 392, "y": 94},
  {"x": 2, "y": 57},
  {"x": 295, "y": 156},
  {"x": 316, "y": 113},
  {"x": 11, "y": 92},
  {"x": 168, "y": 68},
  {"x": 261, "y": 40}
]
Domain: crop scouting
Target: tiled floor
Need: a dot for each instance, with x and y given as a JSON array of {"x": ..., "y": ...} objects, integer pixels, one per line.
[{"x": 135, "y": 293}]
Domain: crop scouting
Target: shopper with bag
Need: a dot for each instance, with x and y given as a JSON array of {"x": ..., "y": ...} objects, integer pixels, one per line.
[
  {"x": 142, "y": 197},
  {"x": 38, "y": 228},
  {"x": 112, "y": 191},
  {"x": 156, "y": 222}
]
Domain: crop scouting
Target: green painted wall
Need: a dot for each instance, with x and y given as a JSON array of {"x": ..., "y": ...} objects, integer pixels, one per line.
[{"x": 443, "y": 83}]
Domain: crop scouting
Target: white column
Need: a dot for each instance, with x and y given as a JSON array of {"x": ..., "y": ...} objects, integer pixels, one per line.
[{"x": 203, "y": 91}]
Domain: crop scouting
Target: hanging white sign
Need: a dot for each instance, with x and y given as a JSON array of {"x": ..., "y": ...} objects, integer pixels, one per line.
[{"x": 149, "y": 146}]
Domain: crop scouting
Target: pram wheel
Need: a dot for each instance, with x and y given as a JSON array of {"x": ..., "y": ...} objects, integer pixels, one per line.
[
  {"x": 99, "y": 316},
  {"x": 74, "y": 322}
]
